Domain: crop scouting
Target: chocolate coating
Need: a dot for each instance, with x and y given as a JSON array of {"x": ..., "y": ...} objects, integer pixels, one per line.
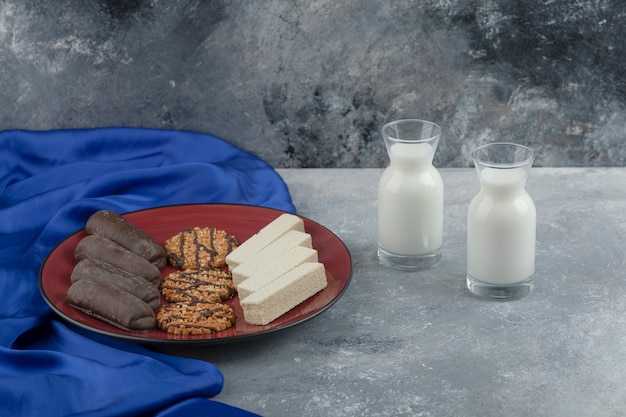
[
  {"x": 121, "y": 231},
  {"x": 103, "y": 249},
  {"x": 112, "y": 305},
  {"x": 96, "y": 270}
]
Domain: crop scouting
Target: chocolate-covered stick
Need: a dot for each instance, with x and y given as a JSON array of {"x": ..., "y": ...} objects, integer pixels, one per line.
[
  {"x": 104, "y": 249},
  {"x": 112, "y": 305},
  {"x": 116, "y": 228},
  {"x": 96, "y": 270}
]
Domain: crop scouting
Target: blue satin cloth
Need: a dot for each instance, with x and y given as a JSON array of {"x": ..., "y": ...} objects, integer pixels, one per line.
[{"x": 50, "y": 182}]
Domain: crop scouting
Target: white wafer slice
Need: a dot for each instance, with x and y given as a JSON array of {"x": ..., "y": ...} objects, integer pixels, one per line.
[
  {"x": 269, "y": 233},
  {"x": 288, "y": 261},
  {"x": 284, "y": 293},
  {"x": 272, "y": 251}
]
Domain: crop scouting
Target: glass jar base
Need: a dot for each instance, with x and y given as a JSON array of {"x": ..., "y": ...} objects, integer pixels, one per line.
[
  {"x": 502, "y": 292},
  {"x": 409, "y": 262}
]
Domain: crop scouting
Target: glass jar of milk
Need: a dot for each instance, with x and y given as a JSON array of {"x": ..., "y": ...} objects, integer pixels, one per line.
[
  {"x": 501, "y": 225},
  {"x": 410, "y": 197}
]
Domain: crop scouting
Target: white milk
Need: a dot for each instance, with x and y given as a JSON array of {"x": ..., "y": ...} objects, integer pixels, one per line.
[
  {"x": 410, "y": 201},
  {"x": 501, "y": 229}
]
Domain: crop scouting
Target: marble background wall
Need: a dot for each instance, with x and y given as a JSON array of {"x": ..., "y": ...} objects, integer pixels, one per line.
[{"x": 309, "y": 83}]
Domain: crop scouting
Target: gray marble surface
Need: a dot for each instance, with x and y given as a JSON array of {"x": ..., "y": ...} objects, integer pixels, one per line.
[
  {"x": 310, "y": 83},
  {"x": 418, "y": 344}
]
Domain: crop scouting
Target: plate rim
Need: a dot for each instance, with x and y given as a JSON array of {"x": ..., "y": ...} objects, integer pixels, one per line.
[{"x": 129, "y": 336}]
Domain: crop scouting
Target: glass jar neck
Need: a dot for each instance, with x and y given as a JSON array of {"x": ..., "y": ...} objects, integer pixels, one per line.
[
  {"x": 411, "y": 156},
  {"x": 508, "y": 182}
]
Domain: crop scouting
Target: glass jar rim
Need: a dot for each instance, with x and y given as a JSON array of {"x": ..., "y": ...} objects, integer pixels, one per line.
[
  {"x": 386, "y": 130},
  {"x": 528, "y": 159}
]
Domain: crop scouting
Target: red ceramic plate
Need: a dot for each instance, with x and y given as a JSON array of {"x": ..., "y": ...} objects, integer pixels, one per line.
[{"x": 161, "y": 223}]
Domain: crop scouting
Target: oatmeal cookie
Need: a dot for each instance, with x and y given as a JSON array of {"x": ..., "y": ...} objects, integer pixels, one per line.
[
  {"x": 204, "y": 285},
  {"x": 195, "y": 319},
  {"x": 197, "y": 247}
]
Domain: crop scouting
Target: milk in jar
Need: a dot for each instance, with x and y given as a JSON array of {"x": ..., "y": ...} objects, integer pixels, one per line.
[
  {"x": 410, "y": 206},
  {"x": 501, "y": 227}
]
